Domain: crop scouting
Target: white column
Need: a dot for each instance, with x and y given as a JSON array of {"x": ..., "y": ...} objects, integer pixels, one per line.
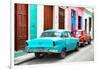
[
  {"x": 55, "y": 17},
  {"x": 66, "y": 19},
  {"x": 40, "y": 19},
  {"x": 92, "y": 27},
  {"x": 87, "y": 25},
  {"x": 83, "y": 23}
]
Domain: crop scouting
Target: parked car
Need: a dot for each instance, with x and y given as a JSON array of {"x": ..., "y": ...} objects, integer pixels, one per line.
[
  {"x": 84, "y": 38},
  {"x": 53, "y": 41}
]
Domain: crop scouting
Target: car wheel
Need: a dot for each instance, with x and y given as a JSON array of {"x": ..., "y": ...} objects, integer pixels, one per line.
[
  {"x": 83, "y": 44},
  {"x": 89, "y": 42},
  {"x": 62, "y": 55},
  {"x": 39, "y": 55}
]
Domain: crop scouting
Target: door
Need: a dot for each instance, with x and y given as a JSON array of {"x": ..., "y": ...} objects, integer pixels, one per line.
[
  {"x": 72, "y": 42},
  {"x": 89, "y": 24},
  {"x": 48, "y": 17},
  {"x": 73, "y": 19},
  {"x": 72, "y": 26},
  {"x": 61, "y": 18},
  {"x": 79, "y": 22},
  {"x": 86, "y": 25},
  {"x": 21, "y": 25},
  {"x": 66, "y": 37}
]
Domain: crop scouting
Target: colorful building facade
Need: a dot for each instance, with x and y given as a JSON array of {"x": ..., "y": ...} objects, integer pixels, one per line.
[
  {"x": 31, "y": 20},
  {"x": 89, "y": 23},
  {"x": 75, "y": 18}
]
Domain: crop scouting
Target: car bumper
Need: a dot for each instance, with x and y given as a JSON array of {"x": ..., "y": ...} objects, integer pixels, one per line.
[
  {"x": 45, "y": 51},
  {"x": 80, "y": 43}
]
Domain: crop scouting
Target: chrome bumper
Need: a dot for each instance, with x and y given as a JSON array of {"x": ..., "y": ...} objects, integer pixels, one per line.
[{"x": 45, "y": 51}]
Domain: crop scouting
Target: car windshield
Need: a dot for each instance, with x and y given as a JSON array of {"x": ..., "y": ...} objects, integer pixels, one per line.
[{"x": 51, "y": 34}]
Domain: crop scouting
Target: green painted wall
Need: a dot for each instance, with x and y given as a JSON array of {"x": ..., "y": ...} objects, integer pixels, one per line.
[{"x": 33, "y": 21}]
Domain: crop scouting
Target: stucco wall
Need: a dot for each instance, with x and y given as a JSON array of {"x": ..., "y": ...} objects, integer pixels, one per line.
[
  {"x": 79, "y": 12},
  {"x": 33, "y": 21},
  {"x": 40, "y": 20},
  {"x": 55, "y": 17},
  {"x": 36, "y": 20},
  {"x": 88, "y": 14}
]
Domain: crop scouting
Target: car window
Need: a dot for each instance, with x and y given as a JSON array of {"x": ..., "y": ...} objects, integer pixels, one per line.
[
  {"x": 51, "y": 34},
  {"x": 65, "y": 34},
  {"x": 72, "y": 33},
  {"x": 69, "y": 34}
]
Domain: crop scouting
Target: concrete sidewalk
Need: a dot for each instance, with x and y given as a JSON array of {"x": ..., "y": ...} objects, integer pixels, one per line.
[{"x": 21, "y": 56}]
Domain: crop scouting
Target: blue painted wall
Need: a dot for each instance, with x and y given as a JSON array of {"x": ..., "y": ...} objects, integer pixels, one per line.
[{"x": 33, "y": 21}]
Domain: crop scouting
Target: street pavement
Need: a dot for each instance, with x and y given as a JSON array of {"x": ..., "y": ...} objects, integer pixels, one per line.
[{"x": 84, "y": 54}]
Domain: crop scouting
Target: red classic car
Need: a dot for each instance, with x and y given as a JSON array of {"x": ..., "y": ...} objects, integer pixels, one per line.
[{"x": 83, "y": 37}]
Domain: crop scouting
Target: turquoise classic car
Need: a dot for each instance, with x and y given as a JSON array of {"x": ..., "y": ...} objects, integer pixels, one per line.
[{"x": 53, "y": 41}]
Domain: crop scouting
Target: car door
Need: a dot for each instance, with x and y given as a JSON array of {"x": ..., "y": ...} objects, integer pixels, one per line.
[
  {"x": 67, "y": 40},
  {"x": 72, "y": 42}
]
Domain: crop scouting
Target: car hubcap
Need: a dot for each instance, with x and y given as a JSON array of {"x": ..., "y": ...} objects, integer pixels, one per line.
[{"x": 63, "y": 54}]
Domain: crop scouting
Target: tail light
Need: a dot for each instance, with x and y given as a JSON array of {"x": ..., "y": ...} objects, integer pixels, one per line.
[
  {"x": 26, "y": 44},
  {"x": 54, "y": 44}
]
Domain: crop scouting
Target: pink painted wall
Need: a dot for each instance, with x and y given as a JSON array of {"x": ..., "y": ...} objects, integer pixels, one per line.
[{"x": 79, "y": 12}]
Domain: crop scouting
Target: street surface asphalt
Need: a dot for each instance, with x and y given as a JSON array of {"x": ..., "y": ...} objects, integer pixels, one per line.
[{"x": 84, "y": 54}]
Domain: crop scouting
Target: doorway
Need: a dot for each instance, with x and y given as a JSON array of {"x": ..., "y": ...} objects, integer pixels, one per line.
[
  {"x": 89, "y": 24},
  {"x": 79, "y": 22},
  {"x": 86, "y": 25},
  {"x": 48, "y": 17},
  {"x": 61, "y": 18},
  {"x": 73, "y": 19},
  {"x": 21, "y": 25}
]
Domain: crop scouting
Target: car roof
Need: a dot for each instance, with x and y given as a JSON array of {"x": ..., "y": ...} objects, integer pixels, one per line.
[{"x": 59, "y": 30}]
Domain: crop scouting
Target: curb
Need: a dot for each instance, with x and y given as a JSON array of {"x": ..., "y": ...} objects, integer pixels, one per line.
[{"x": 23, "y": 58}]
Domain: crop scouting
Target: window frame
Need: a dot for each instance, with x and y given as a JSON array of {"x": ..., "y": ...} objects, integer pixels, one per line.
[{"x": 63, "y": 36}]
